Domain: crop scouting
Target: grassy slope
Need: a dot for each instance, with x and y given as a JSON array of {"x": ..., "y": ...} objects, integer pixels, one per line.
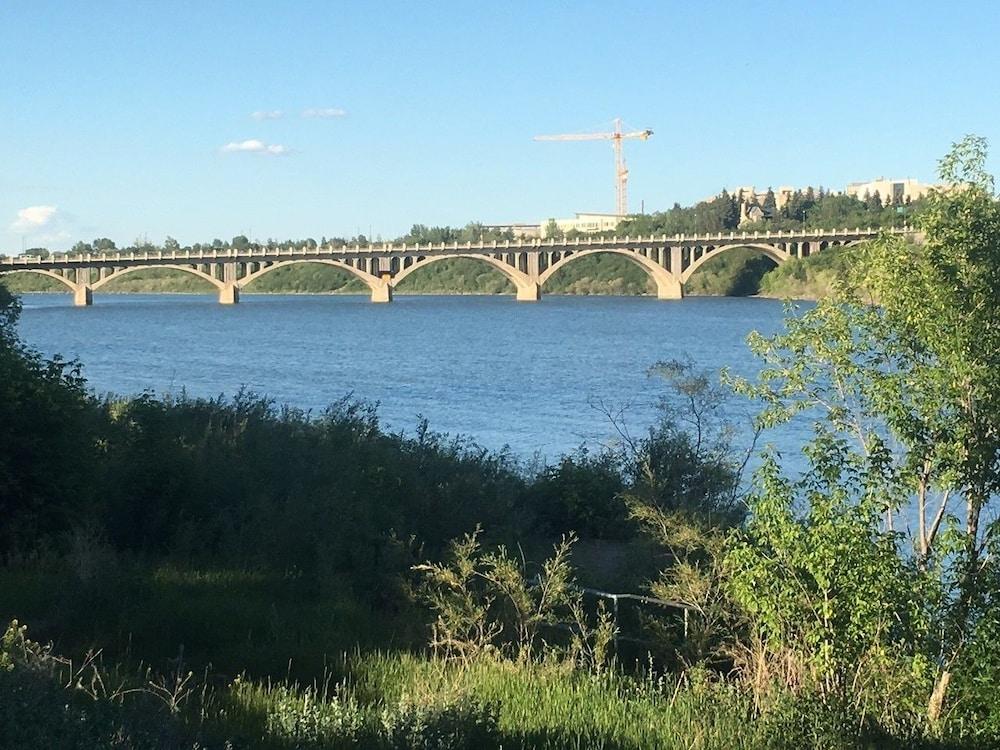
[
  {"x": 806, "y": 278},
  {"x": 740, "y": 272},
  {"x": 32, "y": 282},
  {"x": 736, "y": 273}
]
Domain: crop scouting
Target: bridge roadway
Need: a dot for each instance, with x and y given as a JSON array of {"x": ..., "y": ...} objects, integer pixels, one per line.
[{"x": 669, "y": 261}]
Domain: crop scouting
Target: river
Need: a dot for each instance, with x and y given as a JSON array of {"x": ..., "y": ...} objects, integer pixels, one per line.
[{"x": 527, "y": 376}]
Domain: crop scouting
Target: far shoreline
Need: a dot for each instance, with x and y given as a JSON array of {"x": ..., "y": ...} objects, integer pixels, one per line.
[{"x": 443, "y": 293}]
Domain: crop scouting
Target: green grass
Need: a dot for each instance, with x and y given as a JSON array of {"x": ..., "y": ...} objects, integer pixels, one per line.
[
  {"x": 261, "y": 660},
  {"x": 235, "y": 621},
  {"x": 193, "y": 656},
  {"x": 384, "y": 701},
  {"x": 551, "y": 705}
]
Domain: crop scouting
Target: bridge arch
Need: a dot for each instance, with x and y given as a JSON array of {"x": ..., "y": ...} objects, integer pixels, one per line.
[
  {"x": 373, "y": 282},
  {"x": 521, "y": 281},
  {"x": 174, "y": 266},
  {"x": 71, "y": 285},
  {"x": 668, "y": 286},
  {"x": 776, "y": 254}
]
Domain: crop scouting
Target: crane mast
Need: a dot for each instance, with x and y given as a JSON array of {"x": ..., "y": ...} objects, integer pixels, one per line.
[{"x": 617, "y": 136}]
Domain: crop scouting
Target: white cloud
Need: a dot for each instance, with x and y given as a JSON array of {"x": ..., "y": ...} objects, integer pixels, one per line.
[
  {"x": 45, "y": 225},
  {"x": 33, "y": 219},
  {"x": 256, "y": 146},
  {"x": 267, "y": 114},
  {"x": 325, "y": 113}
]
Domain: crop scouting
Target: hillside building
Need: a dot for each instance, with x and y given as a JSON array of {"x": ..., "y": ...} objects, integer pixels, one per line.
[
  {"x": 585, "y": 223},
  {"x": 896, "y": 191}
]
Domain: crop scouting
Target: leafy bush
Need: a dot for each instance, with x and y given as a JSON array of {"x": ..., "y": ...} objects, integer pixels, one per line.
[
  {"x": 580, "y": 494},
  {"x": 47, "y": 432},
  {"x": 807, "y": 721},
  {"x": 306, "y": 719},
  {"x": 442, "y": 723}
]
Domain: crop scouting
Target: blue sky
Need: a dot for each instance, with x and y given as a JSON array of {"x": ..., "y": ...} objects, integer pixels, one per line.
[{"x": 115, "y": 116}]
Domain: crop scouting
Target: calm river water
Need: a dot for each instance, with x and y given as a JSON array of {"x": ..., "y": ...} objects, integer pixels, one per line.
[{"x": 523, "y": 375}]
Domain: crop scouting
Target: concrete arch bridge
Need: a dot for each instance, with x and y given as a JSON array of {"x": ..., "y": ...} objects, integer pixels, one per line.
[{"x": 528, "y": 264}]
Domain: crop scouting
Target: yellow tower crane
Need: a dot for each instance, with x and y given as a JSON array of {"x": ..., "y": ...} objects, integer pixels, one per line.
[{"x": 616, "y": 137}]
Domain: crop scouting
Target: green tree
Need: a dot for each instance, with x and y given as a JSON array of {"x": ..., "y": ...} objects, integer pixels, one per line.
[
  {"x": 552, "y": 230},
  {"x": 770, "y": 204},
  {"x": 904, "y": 366},
  {"x": 732, "y": 215}
]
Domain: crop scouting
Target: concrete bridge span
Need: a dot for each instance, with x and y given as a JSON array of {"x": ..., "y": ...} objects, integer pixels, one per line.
[{"x": 528, "y": 264}]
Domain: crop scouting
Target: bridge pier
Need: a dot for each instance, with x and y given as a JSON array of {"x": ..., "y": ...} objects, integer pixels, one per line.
[
  {"x": 229, "y": 294},
  {"x": 382, "y": 293},
  {"x": 83, "y": 295},
  {"x": 670, "y": 288},
  {"x": 529, "y": 292}
]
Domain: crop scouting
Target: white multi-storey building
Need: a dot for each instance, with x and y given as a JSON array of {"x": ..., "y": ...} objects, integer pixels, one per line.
[{"x": 897, "y": 191}]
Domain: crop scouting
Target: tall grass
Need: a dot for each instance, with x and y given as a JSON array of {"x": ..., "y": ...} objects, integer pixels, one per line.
[
  {"x": 552, "y": 705},
  {"x": 382, "y": 701}
]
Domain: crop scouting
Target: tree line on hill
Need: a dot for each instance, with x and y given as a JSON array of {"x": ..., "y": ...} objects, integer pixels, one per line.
[{"x": 808, "y": 209}]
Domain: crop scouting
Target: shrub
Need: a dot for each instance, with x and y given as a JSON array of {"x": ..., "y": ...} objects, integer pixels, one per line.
[
  {"x": 307, "y": 720},
  {"x": 795, "y": 722},
  {"x": 442, "y": 723},
  {"x": 580, "y": 494}
]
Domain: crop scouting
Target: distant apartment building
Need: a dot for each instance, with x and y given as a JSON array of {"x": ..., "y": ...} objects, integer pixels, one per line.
[
  {"x": 897, "y": 191},
  {"x": 585, "y": 223}
]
